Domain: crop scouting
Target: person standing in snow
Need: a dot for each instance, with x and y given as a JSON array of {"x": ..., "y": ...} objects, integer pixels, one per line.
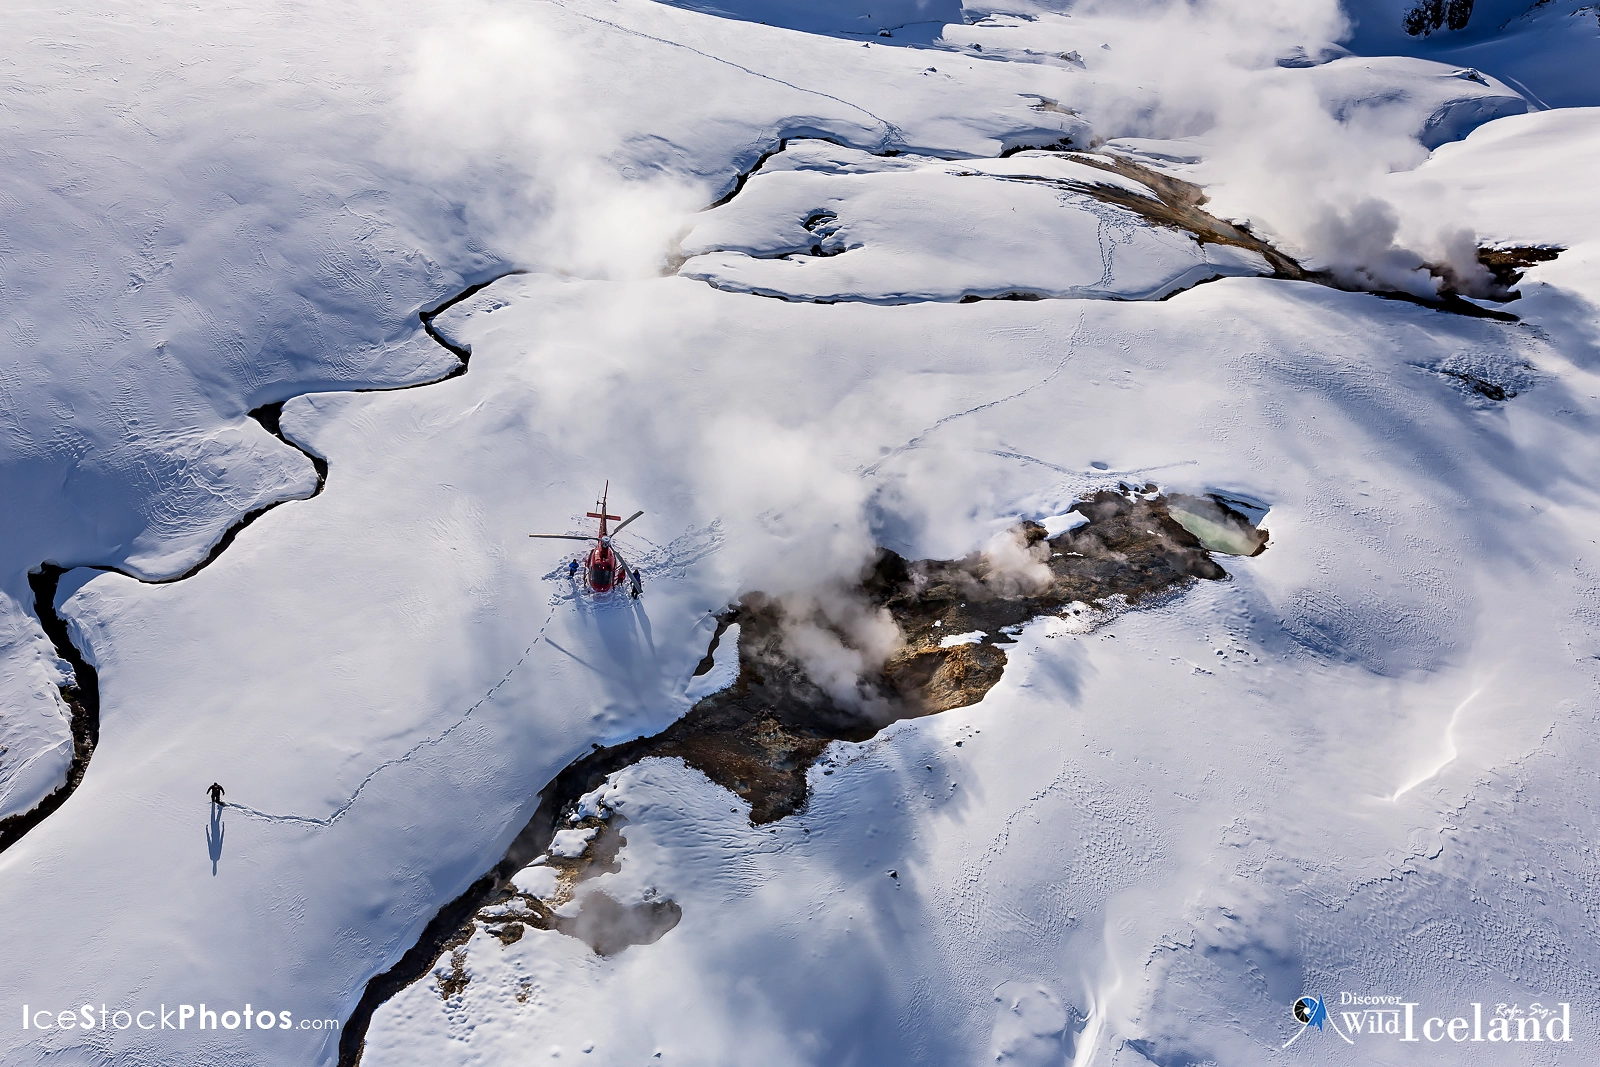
[
  {"x": 216, "y": 792},
  {"x": 572, "y": 570},
  {"x": 637, "y": 585}
]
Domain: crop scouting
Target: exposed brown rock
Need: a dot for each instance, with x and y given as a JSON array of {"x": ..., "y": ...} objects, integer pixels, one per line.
[
  {"x": 759, "y": 737},
  {"x": 1508, "y": 264}
]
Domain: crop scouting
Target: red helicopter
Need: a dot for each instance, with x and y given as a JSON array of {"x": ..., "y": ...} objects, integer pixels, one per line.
[{"x": 604, "y": 569}]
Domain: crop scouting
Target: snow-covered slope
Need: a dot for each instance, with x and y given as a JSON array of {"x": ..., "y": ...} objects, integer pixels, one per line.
[
  {"x": 855, "y": 18},
  {"x": 162, "y": 278},
  {"x": 1174, "y": 826},
  {"x": 1547, "y": 48},
  {"x": 821, "y": 222},
  {"x": 1359, "y": 765},
  {"x": 220, "y": 233}
]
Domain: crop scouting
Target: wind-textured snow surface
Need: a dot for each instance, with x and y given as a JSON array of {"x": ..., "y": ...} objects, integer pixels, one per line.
[{"x": 1363, "y": 764}]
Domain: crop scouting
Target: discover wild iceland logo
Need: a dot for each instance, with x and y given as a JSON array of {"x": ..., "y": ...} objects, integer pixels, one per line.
[{"x": 1360, "y": 1016}]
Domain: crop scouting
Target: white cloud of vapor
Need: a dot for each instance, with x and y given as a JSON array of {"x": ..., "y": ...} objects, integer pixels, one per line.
[
  {"x": 498, "y": 105},
  {"x": 1012, "y": 567},
  {"x": 503, "y": 114},
  {"x": 839, "y": 639},
  {"x": 500, "y": 108},
  {"x": 1304, "y": 154}
]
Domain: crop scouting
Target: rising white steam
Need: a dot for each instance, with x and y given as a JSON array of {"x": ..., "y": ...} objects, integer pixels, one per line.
[
  {"x": 496, "y": 105},
  {"x": 841, "y": 640},
  {"x": 498, "y": 101},
  {"x": 1012, "y": 567},
  {"x": 1314, "y": 180}
]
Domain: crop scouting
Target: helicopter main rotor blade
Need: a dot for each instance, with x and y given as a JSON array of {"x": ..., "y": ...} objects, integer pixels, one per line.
[
  {"x": 630, "y": 518},
  {"x": 564, "y": 537}
]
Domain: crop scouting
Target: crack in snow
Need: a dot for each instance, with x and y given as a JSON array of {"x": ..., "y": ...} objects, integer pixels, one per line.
[
  {"x": 892, "y": 133},
  {"x": 338, "y": 812},
  {"x": 916, "y": 442}
]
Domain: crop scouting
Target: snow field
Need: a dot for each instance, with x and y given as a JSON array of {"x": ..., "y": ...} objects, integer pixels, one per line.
[
  {"x": 1295, "y": 754},
  {"x": 1379, "y": 782}
]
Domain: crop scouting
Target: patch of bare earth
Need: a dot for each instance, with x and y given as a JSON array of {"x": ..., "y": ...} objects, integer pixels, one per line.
[
  {"x": 1180, "y": 204},
  {"x": 759, "y": 737}
]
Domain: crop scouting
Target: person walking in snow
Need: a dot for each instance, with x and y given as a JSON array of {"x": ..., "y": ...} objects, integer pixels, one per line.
[
  {"x": 637, "y": 583},
  {"x": 572, "y": 570},
  {"x": 216, "y": 792}
]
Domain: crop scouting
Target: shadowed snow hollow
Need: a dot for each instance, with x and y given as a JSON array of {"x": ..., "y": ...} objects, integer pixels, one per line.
[{"x": 854, "y": 18}]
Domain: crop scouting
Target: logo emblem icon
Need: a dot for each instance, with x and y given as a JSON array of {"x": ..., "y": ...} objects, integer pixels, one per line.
[{"x": 1309, "y": 1012}]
